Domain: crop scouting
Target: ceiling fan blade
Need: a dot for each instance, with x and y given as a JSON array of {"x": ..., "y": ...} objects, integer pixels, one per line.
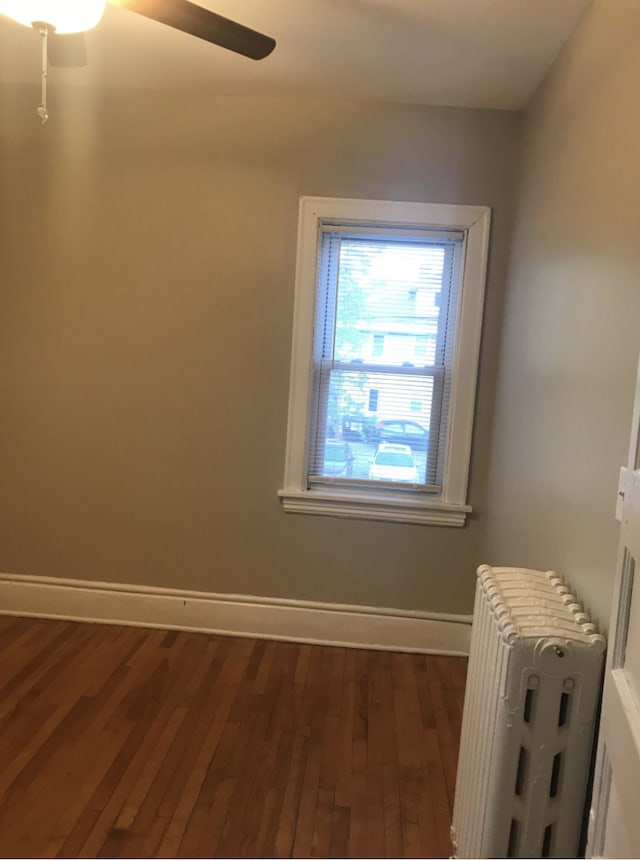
[
  {"x": 66, "y": 49},
  {"x": 197, "y": 21}
]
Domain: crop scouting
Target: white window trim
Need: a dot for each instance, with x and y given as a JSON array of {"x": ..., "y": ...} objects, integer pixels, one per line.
[{"x": 450, "y": 508}]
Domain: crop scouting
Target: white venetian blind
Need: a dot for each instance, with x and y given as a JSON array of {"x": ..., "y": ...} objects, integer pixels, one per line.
[{"x": 383, "y": 351}]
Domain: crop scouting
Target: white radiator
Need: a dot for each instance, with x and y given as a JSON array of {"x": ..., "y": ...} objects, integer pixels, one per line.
[{"x": 533, "y": 688}]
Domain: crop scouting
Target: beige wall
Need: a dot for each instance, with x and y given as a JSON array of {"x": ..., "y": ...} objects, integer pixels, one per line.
[
  {"x": 571, "y": 331},
  {"x": 147, "y": 248}
]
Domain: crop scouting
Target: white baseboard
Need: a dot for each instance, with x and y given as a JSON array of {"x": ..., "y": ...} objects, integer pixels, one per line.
[{"x": 239, "y": 615}]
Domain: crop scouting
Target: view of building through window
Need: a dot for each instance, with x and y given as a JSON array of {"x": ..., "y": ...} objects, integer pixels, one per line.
[{"x": 380, "y": 378}]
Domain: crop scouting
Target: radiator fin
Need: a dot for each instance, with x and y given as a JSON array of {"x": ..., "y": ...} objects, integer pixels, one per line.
[{"x": 533, "y": 684}]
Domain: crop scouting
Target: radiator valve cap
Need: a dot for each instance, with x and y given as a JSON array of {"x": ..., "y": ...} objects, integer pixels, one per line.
[{"x": 554, "y": 657}]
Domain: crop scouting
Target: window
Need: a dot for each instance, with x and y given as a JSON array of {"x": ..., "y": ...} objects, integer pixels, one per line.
[
  {"x": 378, "y": 345},
  {"x": 388, "y": 300}
]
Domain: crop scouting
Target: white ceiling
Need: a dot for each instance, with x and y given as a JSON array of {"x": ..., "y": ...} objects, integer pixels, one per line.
[{"x": 469, "y": 53}]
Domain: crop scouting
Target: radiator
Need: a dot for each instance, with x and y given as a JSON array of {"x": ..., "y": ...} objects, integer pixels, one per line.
[{"x": 533, "y": 688}]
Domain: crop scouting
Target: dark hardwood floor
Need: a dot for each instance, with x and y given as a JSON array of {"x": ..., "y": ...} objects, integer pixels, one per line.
[{"x": 129, "y": 742}]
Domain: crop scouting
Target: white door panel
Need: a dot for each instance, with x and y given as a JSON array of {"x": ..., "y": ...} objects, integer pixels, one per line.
[
  {"x": 614, "y": 830},
  {"x": 620, "y": 729},
  {"x": 617, "y": 843}
]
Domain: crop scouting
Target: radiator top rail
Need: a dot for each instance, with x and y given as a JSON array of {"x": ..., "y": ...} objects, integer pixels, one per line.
[{"x": 530, "y": 604}]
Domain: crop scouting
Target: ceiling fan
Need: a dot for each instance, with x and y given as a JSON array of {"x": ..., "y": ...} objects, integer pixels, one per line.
[
  {"x": 65, "y": 22},
  {"x": 61, "y": 24}
]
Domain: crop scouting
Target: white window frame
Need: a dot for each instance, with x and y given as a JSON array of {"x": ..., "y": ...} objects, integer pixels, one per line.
[{"x": 449, "y": 508}]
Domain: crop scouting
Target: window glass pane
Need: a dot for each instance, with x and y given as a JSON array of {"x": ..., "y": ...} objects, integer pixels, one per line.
[
  {"x": 344, "y": 414},
  {"x": 388, "y": 301},
  {"x": 383, "y": 353}
]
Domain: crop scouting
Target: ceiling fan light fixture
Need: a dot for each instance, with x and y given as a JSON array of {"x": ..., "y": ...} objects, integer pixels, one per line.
[{"x": 65, "y": 16}]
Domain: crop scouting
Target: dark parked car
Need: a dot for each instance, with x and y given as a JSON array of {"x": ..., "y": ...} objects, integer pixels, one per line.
[
  {"x": 338, "y": 457},
  {"x": 403, "y": 432}
]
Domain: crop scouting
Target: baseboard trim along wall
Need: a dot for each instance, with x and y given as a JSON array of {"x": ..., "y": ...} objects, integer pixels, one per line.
[{"x": 238, "y": 615}]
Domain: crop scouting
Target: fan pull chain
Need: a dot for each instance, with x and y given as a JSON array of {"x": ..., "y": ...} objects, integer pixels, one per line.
[{"x": 43, "y": 113}]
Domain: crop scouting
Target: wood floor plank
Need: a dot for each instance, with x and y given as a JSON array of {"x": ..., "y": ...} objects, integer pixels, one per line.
[
  {"x": 314, "y": 718},
  {"x": 197, "y": 773},
  {"x": 50, "y": 657},
  {"x": 77, "y": 753},
  {"x": 125, "y": 742},
  {"x": 25, "y": 755},
  {"x": 16, "y": 637},
  {"x": 393, "y": 839},
  {"x": 393, "y": 827},
  {"x": 217, "y": 787},
  {"x": 287, "y": 821},
  {"x": 340, "y": 830},
  {"x": 278, "y": 745},
  {"x": 204, "y": 750},
  {"x": 242, "y": 827},
  {"x": 205, "y": 818},
  {"x": 377, "y": 755},
  {"x": 170, "y": 780},
  {"x": 359, "y": 764},
  {"x": 145, "y": 708},
  {"x": 205, "y": 839},
  {"x": 329, "y": 764},
  {"x": 150, "y": 769},
  {"x": 448, "y": 726},
  {"x": 437, "y": 805},
  {"x": 409, "y": 736}
]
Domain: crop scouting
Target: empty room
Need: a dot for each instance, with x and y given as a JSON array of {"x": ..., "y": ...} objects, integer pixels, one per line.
[{"x": 307, "y": 311}]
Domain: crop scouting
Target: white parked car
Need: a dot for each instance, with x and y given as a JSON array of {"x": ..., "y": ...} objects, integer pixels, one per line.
[{"x": 393, "y": 462}]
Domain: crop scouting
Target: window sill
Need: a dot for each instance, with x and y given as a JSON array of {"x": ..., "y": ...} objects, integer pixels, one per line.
[{"x": 374, "y": 506}]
